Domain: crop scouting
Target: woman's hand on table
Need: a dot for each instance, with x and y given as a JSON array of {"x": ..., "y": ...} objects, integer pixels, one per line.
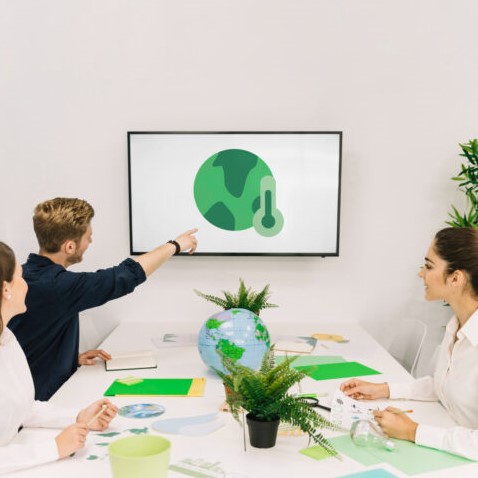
[
  {"x": 396, "y": 424},
  {"x": 71, "y": 439},
  {"x": 88, "y": 357},
  {"x": 361, "y": 390},
  {"x": 99, "y": 423}
]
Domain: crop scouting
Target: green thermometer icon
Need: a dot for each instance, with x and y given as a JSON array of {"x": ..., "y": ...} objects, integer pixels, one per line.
[{"x": 268, "y": 220}]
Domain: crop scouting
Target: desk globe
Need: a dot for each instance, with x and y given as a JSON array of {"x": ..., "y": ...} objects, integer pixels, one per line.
[{"x": 237, "y": 333}]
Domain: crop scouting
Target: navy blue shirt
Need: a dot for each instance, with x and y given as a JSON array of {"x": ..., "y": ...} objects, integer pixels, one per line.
[{"x": 49, "y": 330}]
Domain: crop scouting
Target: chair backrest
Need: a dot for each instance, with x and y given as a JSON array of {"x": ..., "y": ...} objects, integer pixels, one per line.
[
  {"x": 408, "y": 342},
  {"x": 93, "y": 330}
]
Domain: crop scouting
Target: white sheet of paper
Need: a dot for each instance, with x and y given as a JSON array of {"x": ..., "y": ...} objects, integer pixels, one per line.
[{"x": 346, "y": 410}]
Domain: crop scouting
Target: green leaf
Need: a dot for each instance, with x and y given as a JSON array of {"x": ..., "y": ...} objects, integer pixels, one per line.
[
  {"x": 468, "y": 184},
  {"x": 264, "y": 393},
  {"x": 245, "y": 298}
]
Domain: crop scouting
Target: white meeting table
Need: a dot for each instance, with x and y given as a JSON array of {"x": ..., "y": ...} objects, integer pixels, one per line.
[{"x": 224, "y": 448}]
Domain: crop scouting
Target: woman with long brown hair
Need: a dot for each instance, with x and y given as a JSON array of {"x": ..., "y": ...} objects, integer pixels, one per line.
[
  {"x": 17, "y": 404},
  {"x": 450, "y": 273}
]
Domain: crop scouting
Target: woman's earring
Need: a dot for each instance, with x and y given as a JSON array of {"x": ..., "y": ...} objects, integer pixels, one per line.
[{"x": 9, "y": 296}]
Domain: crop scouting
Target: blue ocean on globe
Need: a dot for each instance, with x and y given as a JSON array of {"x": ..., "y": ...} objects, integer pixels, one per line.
[{"x": 237, "y": 333}]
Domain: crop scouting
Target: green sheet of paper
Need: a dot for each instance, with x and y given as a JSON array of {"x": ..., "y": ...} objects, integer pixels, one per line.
[
  {"x": 407, "y": 457},
  {"x": 307, "y": 360},
  {"x": 152, "y": 386},
  {"x": 375, "y": 473},
  {"x": 315, "y": 452},
  {"x": 330, "y": 371}
]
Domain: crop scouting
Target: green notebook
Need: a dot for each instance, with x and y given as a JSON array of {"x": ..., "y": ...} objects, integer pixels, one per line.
[
  {"x": 330, "y": 371},
  {"x": 183, "y": 387}
]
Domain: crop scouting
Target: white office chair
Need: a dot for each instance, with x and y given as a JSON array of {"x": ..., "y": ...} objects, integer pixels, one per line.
[
  {"x": 93, "y": 330},
  {"x": 408, "y": 342}
]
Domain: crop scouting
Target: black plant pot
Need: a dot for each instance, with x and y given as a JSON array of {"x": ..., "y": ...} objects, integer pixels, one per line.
[{"x": 262, "y": 434}]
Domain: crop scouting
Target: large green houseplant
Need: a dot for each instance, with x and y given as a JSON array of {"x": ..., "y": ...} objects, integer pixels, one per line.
[
  {"x": 264, "y": 394},
  {"x": 468, "y": 183},
  {"x": 244, "y": 298}
]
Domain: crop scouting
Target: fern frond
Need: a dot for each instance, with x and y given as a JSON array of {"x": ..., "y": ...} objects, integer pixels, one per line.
[
  {"x": 231, "y": 300},
  {"x": 212, "y": 298},
  {"x": 243, "y": 291},
  {"x": 264, "y": 393},
  {"x": 260, "y": 298},
  {"x": 468, "y": 184},
  {"x": 245, "y": 298}
]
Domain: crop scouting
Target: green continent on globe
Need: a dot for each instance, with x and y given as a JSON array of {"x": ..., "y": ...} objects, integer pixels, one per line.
[
  {"x": 229, "y": 349},
  {"x": 227, "y": 188},
  {"x": 213, "y": 323},
  {"x": 235, "y": 333},
  {"x": 262, "y": 334}
]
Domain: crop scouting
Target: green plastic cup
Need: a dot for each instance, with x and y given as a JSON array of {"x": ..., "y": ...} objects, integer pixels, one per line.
[{"x": 140, "y": 456}]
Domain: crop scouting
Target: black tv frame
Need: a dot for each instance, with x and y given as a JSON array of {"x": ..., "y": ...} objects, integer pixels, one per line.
[{"x": 262, "y": 254}]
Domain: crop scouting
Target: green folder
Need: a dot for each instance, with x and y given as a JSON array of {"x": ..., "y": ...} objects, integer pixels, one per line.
[
  {"x": 184, "y": 387},
  {"x": 330, "y": 371}
]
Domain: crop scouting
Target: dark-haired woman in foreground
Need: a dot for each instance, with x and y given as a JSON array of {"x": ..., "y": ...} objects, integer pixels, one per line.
[
  {"x": 17, "y": 404},
  {"x": 450, "y": 273}
]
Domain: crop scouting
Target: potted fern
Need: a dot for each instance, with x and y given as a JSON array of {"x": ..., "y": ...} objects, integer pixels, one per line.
[
  {"x": 245, "y": 298},
  {"x": 264, "y": 394}
]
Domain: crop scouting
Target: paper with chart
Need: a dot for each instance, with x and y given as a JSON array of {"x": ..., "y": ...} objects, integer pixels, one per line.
[
  {"x": 96, "y": 447},
  {"x": 345, "y": 410},
  {"x": 203, "y": 468}
]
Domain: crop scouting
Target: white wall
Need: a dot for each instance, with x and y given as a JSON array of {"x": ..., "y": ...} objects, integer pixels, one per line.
[{"x": 398, "y": 78}]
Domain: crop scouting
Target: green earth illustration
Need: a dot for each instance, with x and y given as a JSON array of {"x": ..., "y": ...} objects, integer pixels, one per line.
[{"x": 234, "y": 190}]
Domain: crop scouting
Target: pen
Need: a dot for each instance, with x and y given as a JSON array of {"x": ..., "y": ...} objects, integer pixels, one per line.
[
  {"x": 103, "y": 408},
  {"x": 402, "y": 411}
]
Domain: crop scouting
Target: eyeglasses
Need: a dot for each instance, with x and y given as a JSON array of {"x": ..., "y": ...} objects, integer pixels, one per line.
[{"x": 314, "y": 402}]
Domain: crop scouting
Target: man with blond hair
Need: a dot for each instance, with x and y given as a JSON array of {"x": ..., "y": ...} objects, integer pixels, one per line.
[{"x": 49, "y": 331}]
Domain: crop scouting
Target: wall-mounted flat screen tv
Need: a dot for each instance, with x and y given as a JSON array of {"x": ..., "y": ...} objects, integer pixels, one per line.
[{"x": 249, "y": 193}]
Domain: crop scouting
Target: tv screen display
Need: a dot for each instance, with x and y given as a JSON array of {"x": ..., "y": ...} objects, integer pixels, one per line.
[{"x": 248, "y": 193}]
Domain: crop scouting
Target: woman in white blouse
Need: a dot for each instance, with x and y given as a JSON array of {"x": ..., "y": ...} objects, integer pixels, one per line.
[
  {"x": 17, "y": 404},
  {"x": 450, "y": 273}
]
